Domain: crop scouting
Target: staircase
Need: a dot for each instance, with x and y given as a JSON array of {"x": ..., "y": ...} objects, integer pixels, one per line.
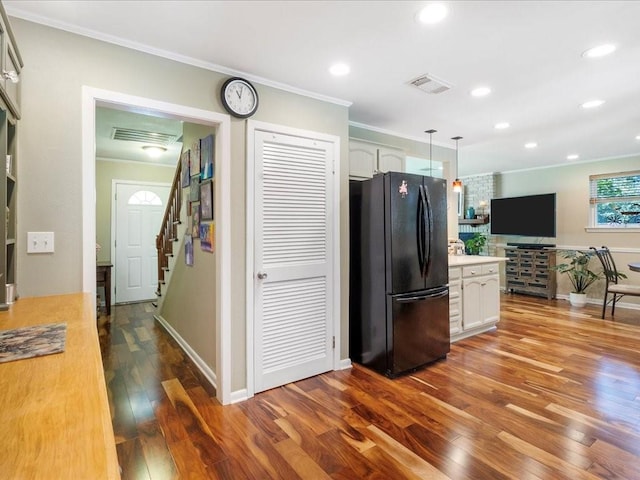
[{"x": 168, "y": 237}]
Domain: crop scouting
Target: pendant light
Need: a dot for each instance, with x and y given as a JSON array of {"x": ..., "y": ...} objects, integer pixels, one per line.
[
  {"x": 430, "y": 132},
  {"x": 457, "y": 183}
]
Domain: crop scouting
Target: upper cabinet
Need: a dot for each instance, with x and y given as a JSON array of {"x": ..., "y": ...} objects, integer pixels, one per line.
[
  {"x": 366, "y": 159},
  {"x": 10, "y": 67}
]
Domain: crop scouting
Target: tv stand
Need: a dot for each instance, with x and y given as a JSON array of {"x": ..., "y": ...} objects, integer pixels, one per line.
[
  {"x": 531, "y": 246},
  {"x": 530, "y": 270}
]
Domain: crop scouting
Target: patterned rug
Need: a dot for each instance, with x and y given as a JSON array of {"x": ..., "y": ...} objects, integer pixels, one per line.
[{"x": 33, "y": 341}]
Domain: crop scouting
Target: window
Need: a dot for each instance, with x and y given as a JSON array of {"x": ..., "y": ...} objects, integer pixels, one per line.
[
  {"x": 144, "y": 197},
  {"x": 615, "y": 200}
]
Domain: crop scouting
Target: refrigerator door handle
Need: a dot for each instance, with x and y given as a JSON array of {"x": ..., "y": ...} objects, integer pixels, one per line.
[
  {"x": 420, "y": 229},
  {"x": 426, "y": 229},
  {"x": 440, "y": 294}
]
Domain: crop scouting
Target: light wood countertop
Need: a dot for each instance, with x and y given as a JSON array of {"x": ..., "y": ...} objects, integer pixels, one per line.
[
  {"x": 54, "y": 411},
  {"x": 462, "y": 260}
]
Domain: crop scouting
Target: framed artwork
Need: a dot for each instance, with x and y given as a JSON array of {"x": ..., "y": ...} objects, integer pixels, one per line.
[
  {"x": 206, "y": 200},
  {"x": 188, "y": 250},
  {"x": 195, "y": 220},
  {"x": 195, "y": 158},
  {"x": 207, "y": 236},
  {"x": 194, "y": 193},
  {"x": 206, "y": 157},
  {"x": 185, "y": 169}
]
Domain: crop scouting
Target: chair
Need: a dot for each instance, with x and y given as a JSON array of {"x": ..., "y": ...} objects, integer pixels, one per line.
[{"x": 612, "y": 276}]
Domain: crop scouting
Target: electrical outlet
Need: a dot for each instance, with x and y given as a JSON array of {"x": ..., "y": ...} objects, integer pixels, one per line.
[{"x": 40, "y": 242}]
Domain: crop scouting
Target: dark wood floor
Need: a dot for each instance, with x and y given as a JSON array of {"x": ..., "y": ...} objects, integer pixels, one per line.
[{"x": 553, "y": 393}]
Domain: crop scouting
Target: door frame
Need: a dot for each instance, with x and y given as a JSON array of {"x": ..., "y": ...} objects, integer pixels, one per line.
[
  {"x": 114, "y": 186},
  {"x": 334, "y": 214},
  {"x": 92, "y": 97}
]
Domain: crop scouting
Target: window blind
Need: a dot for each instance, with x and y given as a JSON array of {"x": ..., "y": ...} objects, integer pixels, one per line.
[{"x": 618, "y": 188}]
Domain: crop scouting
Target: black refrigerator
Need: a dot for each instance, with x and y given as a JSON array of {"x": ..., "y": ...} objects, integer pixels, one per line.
[{"x": 399, "y": 294}]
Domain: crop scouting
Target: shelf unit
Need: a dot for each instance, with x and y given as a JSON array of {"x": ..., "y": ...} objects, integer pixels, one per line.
[
  {"x": 10, "y": 69},
  {"x": 483, "y": 220},
  {"x": 530, "y": 271}
]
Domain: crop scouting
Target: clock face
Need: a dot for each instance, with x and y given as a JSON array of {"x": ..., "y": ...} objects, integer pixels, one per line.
[{"x": 239, "y": 97}]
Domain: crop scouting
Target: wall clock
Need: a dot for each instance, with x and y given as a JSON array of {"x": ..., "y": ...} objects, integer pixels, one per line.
[{"x": 239, "y": 97}]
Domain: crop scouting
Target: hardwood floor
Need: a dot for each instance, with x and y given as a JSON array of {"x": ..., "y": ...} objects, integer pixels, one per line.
[{"x": 553, "y": 393}]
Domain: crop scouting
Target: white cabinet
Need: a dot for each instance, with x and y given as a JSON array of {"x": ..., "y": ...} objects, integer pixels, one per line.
[
  {"x": 455, "y": 300},
  {"x": 474, "y": 299},
  {"x": 366, "y": 159}
]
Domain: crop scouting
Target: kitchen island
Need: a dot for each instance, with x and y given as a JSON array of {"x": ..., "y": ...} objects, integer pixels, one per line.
[
  {"x": 54, "y": 410},
  {"x": 474, "y": 294}
]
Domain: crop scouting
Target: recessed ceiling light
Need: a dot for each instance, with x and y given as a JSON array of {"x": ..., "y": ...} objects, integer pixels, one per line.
[
  {"x": 339, "y": 69},
  {"x": 432, "y": 13},
  {"x": 480, "y": 91},
  {"x": 501, "y": 125},
  {"x": 599, "y": 51},
  {"x": 592, "y": 103},
  {"x": 530, "y": 145},
  {"x": 637, "y": 137},
  {"x": 154, "y": 151},
  {"x": 573, "y": 156}
]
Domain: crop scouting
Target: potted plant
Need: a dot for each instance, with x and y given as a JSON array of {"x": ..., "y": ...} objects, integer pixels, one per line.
[
  {"x": 475, "y": 244},
  {"x": 579, "y": 273}
]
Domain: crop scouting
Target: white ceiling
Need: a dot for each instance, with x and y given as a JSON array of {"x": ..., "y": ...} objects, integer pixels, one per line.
[{"x": 528, "y": 52}]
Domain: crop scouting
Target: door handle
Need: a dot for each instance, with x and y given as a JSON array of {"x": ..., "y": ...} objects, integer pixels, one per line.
[{"x": 262, "y": 275}]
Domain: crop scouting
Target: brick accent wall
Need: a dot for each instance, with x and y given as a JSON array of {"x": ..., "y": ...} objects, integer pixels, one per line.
[{"x": 477, "y": 189}]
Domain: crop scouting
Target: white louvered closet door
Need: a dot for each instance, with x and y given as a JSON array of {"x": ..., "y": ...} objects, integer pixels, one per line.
[{"x": 293, "y": 258}]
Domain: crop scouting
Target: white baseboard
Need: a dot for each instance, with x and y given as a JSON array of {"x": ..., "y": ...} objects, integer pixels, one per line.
[
  {"x": 209, "y": 374},
  {"x": 598, "y": 301},
  {"x": 345, "y": 364}
]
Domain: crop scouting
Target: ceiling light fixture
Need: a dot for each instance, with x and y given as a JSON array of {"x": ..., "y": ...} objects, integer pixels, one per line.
[
  {"x": 637, "y": 137},
  {"x": 599, "y": 51},
  {"x": 501, "y": 125},
  {"x": 573, "y": 156},
  {"x": 530, "y": 145},
  {"x": 154, "y": 151},
  {"x": 457, "y": 183},
  {"x": 480, "y": 91},
  {"x": 432, "y": 13},
  {"x": 430, "y": 132},
  {"x": 592, "y": 103},
  {"x": 339, "y": 69}
]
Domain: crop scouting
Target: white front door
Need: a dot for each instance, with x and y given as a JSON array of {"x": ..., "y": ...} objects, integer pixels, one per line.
[
  {"x": 293, "y": 258},
  {"x": 139, "y": 210}
]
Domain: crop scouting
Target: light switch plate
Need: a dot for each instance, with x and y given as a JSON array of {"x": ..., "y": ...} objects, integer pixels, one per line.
[{"x": 40, "y": 242}]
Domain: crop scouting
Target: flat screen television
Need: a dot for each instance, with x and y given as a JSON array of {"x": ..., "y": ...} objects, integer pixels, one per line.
[{"x": 527, "y": 216}]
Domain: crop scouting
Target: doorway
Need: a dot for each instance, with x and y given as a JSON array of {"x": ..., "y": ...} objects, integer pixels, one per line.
[{"x": 92, "y": 98}]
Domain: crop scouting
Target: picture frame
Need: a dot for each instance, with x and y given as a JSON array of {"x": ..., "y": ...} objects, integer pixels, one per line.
[
  {"x": 194, "y": 193},
  {"x": 206, "y": 157},
  {"x": 188, "y": 250},
  {"x": 206, "y": 200},
  {"x": 207, "y": 236},
  {"x": 195, "y": 158},
  {"x": 185, "y": 168},
  {"x": 195, "y": 220}
]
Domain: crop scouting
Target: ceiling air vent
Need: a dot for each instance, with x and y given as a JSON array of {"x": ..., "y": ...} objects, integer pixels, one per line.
[
  {"x": 132, "y": 135},
  {"x": 430, "y": 84}
]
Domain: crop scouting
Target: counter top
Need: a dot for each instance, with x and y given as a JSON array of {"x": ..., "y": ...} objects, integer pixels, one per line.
[
  {"x": 462, "y": 260},
  {"x": 54, "y": 409}
]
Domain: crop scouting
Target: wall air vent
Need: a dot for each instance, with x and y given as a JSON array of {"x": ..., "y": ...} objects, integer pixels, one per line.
[
  {"x": 132, "y": 135},
  {"x": 430, "y": 84}
]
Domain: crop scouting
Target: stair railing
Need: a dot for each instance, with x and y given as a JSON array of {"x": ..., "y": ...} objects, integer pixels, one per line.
[{"x": 169, "y": 229}]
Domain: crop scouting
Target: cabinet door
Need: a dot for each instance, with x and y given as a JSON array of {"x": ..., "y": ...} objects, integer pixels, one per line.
[
  {"x": 363, "y": 159},
  {"x": 471, "y": 302},
  {"x": 490, "y": 298},
  {"x": 455, "y": 306},
  {"x": 390, "y": 160}
]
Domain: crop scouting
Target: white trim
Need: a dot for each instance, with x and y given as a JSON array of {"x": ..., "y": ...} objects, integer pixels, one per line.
[
  {"x": 598, "y": 302},
  {"x": 93, "y": 96},
  {"x": 252, "y": 126},
  {"x": 191, "y": 353},
  {"x": 176, "y": 57},
  {"x": 344, "y": 364},
  {"x": 384, "y": 131},
  {"x": 239, "y": 395},
  {"x": 612, "y": 229},
  {"x": 112, "y": 240}
]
